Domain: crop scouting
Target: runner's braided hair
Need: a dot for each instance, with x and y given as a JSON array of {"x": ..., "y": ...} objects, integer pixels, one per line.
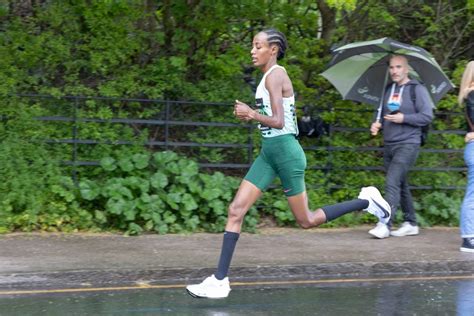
[{"x": 279, "y": 39}]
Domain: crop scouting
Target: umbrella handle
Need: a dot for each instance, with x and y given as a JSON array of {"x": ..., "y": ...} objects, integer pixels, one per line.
[{"x": 379, "y": 109}]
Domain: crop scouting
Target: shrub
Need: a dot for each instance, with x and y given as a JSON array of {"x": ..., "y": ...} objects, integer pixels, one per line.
[{"x": 160, "y": 192}]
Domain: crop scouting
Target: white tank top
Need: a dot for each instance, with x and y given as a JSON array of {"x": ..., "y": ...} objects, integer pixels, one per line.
[{"x": 262, "y": 101}]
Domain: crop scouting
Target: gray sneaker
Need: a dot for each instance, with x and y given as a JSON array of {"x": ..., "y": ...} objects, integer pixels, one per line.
[{"x": 406, "y": 229}]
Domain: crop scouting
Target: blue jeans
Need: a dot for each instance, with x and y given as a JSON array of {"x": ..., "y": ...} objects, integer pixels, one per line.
[
  {"x": 465, "y": 304},
  {"x": 467, "y": 207},
  {"x": 398, "y": 159}
]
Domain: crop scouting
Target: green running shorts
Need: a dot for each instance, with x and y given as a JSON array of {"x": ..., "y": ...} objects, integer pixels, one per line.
[{"x": 280, "y": 156}]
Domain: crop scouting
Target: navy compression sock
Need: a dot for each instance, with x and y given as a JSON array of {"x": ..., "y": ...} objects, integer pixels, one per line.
[
  {"x": 228, "y": 246},
  {"x": 339, "y": 209}
]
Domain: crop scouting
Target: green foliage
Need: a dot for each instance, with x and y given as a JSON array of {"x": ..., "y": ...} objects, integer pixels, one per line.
[
  {"x": 342, "y": 4},
  {"x": 160, "y": 192},
  {"x": 195, "y": 50},
  {"x": 439, "y": 208},
  {"x": 35, "y": 194}
]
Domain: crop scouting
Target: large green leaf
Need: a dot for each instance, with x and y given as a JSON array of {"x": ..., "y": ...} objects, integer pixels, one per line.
[
  {"x": 218, "y": 207},
  {"x": 116, "y": 206},
  {"x": 89, "y": 190},
  {"x": 210, "y": 193},
  {"x": 126, "y": 164},
  {"x": 159, "y": 180},
  {"x": 141, "y": 160},
  {"x": 164, "y": 157},
  {"x": 169, "y": 217},
  {"x": 137, "y": 182},
  {"x": 173, "y": 200},
  {"x": 108, "y": 163},
  {"x": 189, "y": 202}
]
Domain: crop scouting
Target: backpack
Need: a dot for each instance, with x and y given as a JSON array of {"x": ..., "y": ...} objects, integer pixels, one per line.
[
  {"x": 426, "y": 128},
  {"x": 311, "y": 126}
]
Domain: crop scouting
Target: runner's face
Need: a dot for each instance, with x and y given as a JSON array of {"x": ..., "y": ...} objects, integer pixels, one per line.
[
  {"x": 261, "y": 51},
  {"x": 399, "y": 70}
]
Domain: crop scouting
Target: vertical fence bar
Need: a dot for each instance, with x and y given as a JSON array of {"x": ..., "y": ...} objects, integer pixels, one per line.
[
  {"x": 167, "y": 118},
  {"x": 74, "y": 140},
  {"x": 329, "y": 160}
]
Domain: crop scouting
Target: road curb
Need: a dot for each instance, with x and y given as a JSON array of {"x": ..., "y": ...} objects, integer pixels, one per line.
[{"x": 332, "y": 271}]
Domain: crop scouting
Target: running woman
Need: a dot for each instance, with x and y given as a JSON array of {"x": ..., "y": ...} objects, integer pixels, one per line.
[{"x": 281, "y": 155}]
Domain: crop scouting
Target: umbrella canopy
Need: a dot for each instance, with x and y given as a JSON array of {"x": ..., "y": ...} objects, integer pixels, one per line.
[{"x": 359, "y": 71}]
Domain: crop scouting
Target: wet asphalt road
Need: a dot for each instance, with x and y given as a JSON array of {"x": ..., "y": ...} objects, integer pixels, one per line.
[
  {"x": 274, "y": 272},
  {"x": 384, "y": 297}
]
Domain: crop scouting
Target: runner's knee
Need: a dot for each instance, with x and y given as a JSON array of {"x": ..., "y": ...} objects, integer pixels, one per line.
[{"x": 236, "y": 212}]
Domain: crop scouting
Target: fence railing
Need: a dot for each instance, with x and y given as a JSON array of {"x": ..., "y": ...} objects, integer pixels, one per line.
[{"x": 168, "y": 124}]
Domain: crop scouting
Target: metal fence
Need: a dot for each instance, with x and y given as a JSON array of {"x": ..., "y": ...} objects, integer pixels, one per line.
[{"x": 167, "y": 122}]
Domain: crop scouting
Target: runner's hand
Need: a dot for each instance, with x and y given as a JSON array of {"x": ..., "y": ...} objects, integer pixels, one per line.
[{"x": 242, "y": 111}]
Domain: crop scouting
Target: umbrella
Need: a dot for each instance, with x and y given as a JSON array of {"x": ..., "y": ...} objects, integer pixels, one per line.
[{"x": 359, "y": 71}]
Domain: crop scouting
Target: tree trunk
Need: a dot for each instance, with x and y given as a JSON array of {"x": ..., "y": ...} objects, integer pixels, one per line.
[{"x": 328, "y": 21}]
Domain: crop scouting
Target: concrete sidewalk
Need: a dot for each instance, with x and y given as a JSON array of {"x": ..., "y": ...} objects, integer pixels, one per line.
[{"x": 56, "y": 261}]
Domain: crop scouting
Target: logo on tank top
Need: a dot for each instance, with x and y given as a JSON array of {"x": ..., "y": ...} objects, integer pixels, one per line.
[
  {"x": 262, "y": 109},
  {"x": 293, "y": 112}
]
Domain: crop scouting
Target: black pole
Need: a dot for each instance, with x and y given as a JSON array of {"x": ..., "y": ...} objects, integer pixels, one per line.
[
  {"x": 74, "y": 146},
  {"x": 167, "y": 118}
]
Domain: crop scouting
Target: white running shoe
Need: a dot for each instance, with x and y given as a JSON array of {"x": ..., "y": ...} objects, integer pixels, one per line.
[
  {"x": 210, "y": 288},
  {"x": 380, "y": 231},
  {"x": 377, "y": 205},
  {"x": 406, "y": 229}
]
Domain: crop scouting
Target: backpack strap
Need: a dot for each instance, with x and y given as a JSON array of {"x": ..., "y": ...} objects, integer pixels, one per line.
[
  {"x": 413, "y": 95},
  {"x": 425, "y": 128}
]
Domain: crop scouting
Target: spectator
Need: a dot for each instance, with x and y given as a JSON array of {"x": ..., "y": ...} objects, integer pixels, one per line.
[
  {"x": 466, "y": 97},
  {"x": 407, "y": 108}
]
